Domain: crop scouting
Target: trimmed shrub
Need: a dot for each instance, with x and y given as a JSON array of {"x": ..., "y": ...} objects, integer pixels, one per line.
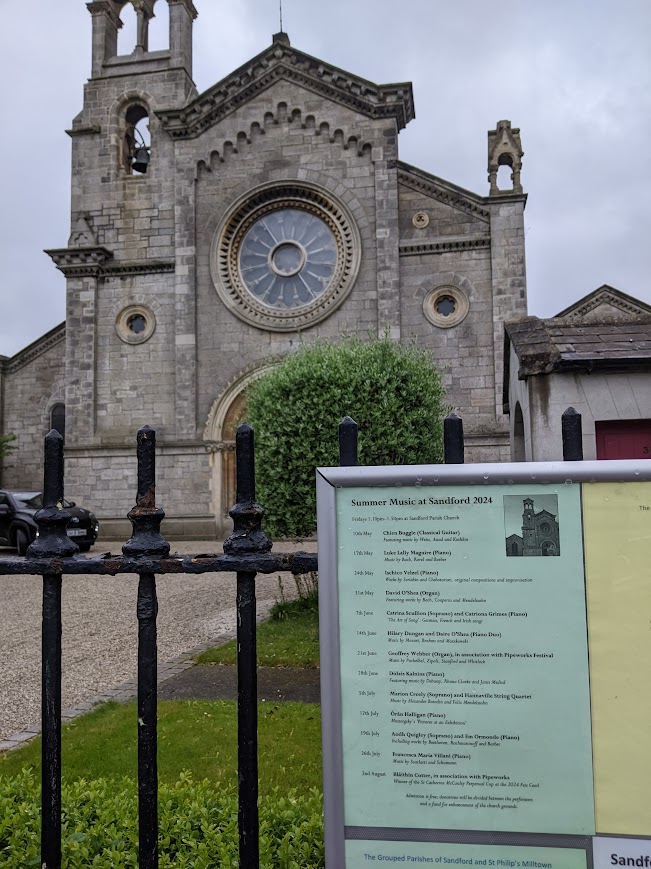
[
  {"x": 392, "y": 391},
  {"x": 197, "y": 826}
]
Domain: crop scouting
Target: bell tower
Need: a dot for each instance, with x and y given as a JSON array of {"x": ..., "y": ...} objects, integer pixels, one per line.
[
  {"x": 529, "y": 542},
  {"x": 107, "y": 23},
  {"x": 120, "y": 260}
]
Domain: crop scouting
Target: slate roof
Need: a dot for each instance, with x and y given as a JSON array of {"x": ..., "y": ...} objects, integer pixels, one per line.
[{"x": 560, "y": 344}]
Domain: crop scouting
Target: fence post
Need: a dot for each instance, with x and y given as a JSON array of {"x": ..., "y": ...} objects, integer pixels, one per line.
[
  {"x": 348, "y": 456},
  {"x": 453, "y": 445},
  {"x": 572, "y": 434},
  {"x": 247, "y": 537},
  {"x": 52, "y": 542},
  {"x": 146, "y": 540}
]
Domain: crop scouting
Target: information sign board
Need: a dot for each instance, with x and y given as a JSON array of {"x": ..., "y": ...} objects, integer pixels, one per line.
[{"x": 455, "y": 643}]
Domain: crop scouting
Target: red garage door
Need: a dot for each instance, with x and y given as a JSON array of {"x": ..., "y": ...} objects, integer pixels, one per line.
[{"x": 625, "y": 439}]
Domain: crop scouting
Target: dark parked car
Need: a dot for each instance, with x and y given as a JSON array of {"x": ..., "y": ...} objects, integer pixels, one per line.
[{"x": 18, "y": 528}]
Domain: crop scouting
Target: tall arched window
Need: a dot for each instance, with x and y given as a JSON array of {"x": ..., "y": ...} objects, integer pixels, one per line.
[
  {"x": 128, "y": 33},
  {"x": 505, "y": 172},
  {"x": 159, "y": 28},
  {"x": 136, "y": 142},
  {"x": 58, "y": 418}
]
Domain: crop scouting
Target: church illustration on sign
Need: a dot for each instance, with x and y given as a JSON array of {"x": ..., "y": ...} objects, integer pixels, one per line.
[{"x": 540, "y": 533}]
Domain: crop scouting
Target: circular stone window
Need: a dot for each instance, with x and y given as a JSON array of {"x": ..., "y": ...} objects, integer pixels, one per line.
[
  {"x": 445, "y": 306},
  {"x": 135, "y": 324},
  {"x": 285, "y": 257}
]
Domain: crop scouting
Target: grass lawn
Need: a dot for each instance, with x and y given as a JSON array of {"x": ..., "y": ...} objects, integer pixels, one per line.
[
  {"x": 291, "y": 640},
  {"x": 195, "y": 735}
]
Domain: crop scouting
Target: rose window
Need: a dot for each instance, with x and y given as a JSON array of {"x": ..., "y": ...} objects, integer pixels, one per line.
[
  {"x": 288, "y": 258},
  {"x": 285, "y": 257}
]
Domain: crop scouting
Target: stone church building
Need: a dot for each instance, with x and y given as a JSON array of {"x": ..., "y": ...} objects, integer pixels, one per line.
[
  {"x": 270, "y": 210},
  {"x": 540, "y": 533}
]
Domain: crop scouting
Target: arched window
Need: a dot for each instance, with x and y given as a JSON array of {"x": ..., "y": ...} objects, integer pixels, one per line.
[
  {"x": 136, "y": 143},
  {"x": 505, "y": 172},
  {"x": 159, "y": 28},
  {"x": 128, "y": 33},
  {"x": 58, "y": 418}
]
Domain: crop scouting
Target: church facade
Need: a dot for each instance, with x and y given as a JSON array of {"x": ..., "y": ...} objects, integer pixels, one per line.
[
  {"x": 540, "y": 533},
  {"x": 270, "y": 210}
]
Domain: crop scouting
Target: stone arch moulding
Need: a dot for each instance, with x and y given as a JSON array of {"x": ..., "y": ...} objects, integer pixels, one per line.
[
  {"x": 117, "y": 123},
  {"x": 269, "y": 308},
  {"x": 145, "y": 299},
  {"x": 298, "y": 175},
  {"x": 213, "y": 430},
  {"x": 56, "y": 395},
  {"x": 221, "y": 448}
]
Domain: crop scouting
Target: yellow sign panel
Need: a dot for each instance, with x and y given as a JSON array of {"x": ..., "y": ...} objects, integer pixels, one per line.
[{"x": 617, "y": 538}]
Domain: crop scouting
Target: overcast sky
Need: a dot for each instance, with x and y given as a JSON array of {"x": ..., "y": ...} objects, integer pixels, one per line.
[{"x": 574, "y": 75}]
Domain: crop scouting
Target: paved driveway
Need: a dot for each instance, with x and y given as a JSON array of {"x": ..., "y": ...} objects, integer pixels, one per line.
[{"x": 100, "y": 628}]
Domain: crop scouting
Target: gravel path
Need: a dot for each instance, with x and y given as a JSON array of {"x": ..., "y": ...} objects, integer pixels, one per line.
[{"x": 100, "y": 628}]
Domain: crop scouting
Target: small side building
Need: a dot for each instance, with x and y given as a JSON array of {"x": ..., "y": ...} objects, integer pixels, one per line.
[{"x": 594, "y": 356}]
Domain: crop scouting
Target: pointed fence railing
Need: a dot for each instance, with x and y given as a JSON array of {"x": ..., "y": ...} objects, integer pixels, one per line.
[{"x": 247, "y": 552}]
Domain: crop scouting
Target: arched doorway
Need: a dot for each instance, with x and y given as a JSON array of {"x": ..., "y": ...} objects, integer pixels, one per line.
[
  {"x": 235, "y": 415},
  {"x": 227, "y": 412}
]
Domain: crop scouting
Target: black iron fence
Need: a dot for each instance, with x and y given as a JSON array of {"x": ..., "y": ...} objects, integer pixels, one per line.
[{"x": 247, "y": 552}]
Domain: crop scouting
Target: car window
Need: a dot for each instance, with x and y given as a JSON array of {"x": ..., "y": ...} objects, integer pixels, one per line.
[{"x": 25, "y": 499}]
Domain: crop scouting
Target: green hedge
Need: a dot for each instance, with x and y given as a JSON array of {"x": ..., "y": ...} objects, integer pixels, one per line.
[
  {"x": 392, "y": 391},
  {"x": 198, "y": 826}
]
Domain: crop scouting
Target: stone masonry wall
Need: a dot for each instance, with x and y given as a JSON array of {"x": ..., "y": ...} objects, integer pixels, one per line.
[
  {"x": 106, "y": 479},
  {"x": 314, "y": 145},
  {"x": 509, "y": 277},
  {"x": 464, "y": 352},
  {"x": 135, "y": 382},
  {"x": 30, "y": 391}
]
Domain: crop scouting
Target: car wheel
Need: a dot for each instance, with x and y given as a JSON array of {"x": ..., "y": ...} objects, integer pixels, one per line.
[
  {"x": 22, "y": 541},
  {"x": 84, "y": 547}
]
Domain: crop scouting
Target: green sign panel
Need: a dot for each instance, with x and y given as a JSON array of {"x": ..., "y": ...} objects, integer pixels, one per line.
[
  {"x": 463, "y": 660},
  {"x": 371, "y": 853}
]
